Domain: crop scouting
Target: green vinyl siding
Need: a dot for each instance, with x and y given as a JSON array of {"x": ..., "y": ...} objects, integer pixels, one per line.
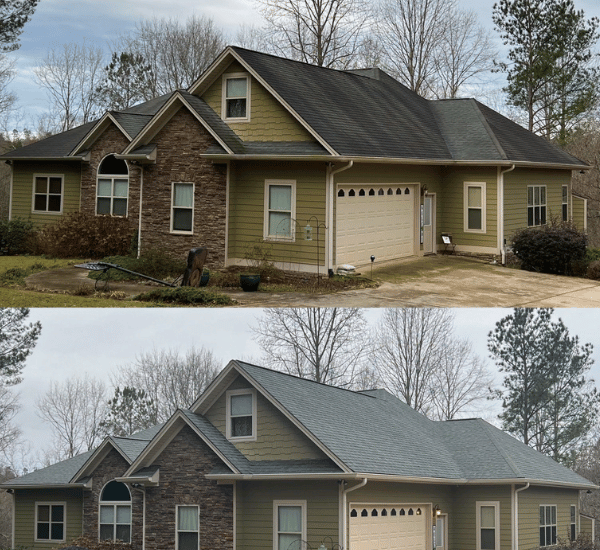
[
  {"x": 25, "y": 515},
  {"x": 254, "y": 505},
  {"x": 463, "y": 517},
  {"x": 22, "y": 194},
  {"x": 277, "y": 438},
  {"x": 530, "y": 501},
  {"x": 269, "y": 120},
  {"x": 247, "y": 207},
  {"x": 452, "y": 207},
  {"x": 515, "y": 196},
  {"x": 579, "y": 212},
  {"x": 586, "y": 526}
]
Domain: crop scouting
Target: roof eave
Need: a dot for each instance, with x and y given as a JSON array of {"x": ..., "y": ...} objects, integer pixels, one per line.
[
  {"x": 146, "y": 481},
  {"x": 87, "y": 485},
  {"x": 149, "y": 158},
  {"x": 80, "y": 158}
]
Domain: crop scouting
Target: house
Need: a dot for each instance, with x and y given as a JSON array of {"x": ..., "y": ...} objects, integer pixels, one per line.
[
  {"x": 264, "y": 460},
  {"x": 318, "y": 167}
]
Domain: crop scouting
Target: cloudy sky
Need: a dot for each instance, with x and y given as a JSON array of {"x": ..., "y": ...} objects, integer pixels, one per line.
[
  {"x": 99, "y": 22},
  {"x": 96, "y": 341}
]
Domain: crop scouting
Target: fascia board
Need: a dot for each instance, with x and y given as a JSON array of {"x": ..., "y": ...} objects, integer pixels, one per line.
[
  {"x": 46, "y": 486},
  {"x": 165, "y": 436},
  {"x": 96, "y": 131},
  {"x": 205, "y": 401},
  {"x": 208, "y": 76},
  {"x": 99, "y": 455},
  {"x": 163, "y": 116}
]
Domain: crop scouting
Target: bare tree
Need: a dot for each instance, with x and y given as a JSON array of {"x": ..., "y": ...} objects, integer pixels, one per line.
[
  {"x": 169, "y": 379},
  {"x": 71, "y": 74},
  {"x": 74, "y": 409},
  {"x": 461, "y": 381},
  {"x": 327, "y": 345},
  {"x": 409, "y": 346},
  {"x": 177, "y": 53},
  {"x": 9, "y": 406},
  {"x": 326, "y": 33}
]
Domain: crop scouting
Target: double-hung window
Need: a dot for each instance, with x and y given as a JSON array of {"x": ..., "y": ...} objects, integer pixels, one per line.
[
  {"x": 280, "y": 210},
  {"x": 488, "y": 526},
  {"x": 49, "y": 521},
  {"x": 236, "y": 97},
  {"x": 188, "y": 528},
  {"x": 547, "y": 525},
  {"x": 47, "y": 194},
  {"x": 474, "y": 207},
  {"x": 182, "y": 208},
  {"x": 289, "y": 525},
  {"x": 241, "y": 414},
  {"x": 565, "y": 203},
  {"x": 536, "y": 205},
  {"x": 115, "y": 512},
  {"x": 573, "y": 532},
  {"x": 112, "y": 189}
]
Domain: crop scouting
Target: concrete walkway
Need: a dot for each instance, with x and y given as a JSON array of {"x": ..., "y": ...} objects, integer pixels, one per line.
[{"x": 459, "y": 283}]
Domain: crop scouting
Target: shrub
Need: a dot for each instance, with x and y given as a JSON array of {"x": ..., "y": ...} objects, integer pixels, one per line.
[
  {"x": 552, "y": 248},
  {"x": 185, "y": 295},
  {"x": 154, "y": 263},
  {"x": 17, "y": 237},
  {"x": 593, "y": 270},
  {"x": 81, "y": 235},
  {"x": 582, "y": 542}
]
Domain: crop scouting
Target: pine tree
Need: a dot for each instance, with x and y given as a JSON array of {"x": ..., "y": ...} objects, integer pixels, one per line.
[{"x": 129, "y": 411}]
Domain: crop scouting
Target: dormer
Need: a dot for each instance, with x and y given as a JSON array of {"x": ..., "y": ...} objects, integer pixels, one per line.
[{"x": 236, "y": 96}]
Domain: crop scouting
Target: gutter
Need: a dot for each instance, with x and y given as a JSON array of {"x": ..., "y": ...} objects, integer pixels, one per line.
[
  {"x": 329, "y": 221},
  {"x": 500, "y": 191},
  {"x": 515, "y": 522},
  {"x": 343, "y": 511}
]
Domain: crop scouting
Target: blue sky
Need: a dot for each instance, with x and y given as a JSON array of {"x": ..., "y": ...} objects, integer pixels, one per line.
[{"x": 99, "y": 22}]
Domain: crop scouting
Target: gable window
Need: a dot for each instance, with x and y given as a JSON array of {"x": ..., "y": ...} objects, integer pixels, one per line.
[
  {"x": 536, "y": 205},
  {"x": 49, "y": 521},
  {"x": 188, "y": 530},
  {"x": 280, "y": 210},
  {"x": 241, "y": 415},
  {"x": 112, "y": 189},
  {"x": 289, "y": 525},
  {"x": 573, "y": 532},
  {"x": 115, "y": 512},
  {"x": 182, "y": 208},
  {"x": 236, "y": 97},
  {"x": 565, "y": 203},
  {"x": 474, "y": 207},
  {"x": 547, "y": 525},
  {"x": 488, "y": 525},
  {"x": 47, "y": 193}
]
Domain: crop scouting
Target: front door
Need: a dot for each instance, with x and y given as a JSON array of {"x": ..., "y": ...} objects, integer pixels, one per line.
[{"x": 428, "y": 224}]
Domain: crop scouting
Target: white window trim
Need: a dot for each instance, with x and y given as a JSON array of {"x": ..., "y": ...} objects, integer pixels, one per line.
[
  {"x": 227, "y": 77},
  {"x": 563, "y": 202},
  {"x": 193, "y": 209},
  {"x": 50, "y": 539},
  {"x": 576, "y": 523},
  {"x": 177, "y": 530},
  {"x": 112, "y": 177},
  {"x": 62, "y": 194},
  {"x": 114, "y": 504},
  {"x": 266, "y": 235},
  {"x": 537, "y": 205},
  {"x": 551, "y": 524},
  {"x": 276, "y": 505},
  {"x": 466, "y": 186},
  {"x": 496, "y": 505},
  {"x": 228, "y": 395}
]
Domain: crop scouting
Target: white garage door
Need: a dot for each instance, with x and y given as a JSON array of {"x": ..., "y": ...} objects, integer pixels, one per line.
[
  {"x": 402, "y": 527},
  {"x": 375, "y": 220}
]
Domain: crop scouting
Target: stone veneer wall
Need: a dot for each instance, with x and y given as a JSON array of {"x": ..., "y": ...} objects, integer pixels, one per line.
[
  {"x": 114, "y": 465},
  {"x": 183, "y": 466},
  {"x": 180, "y": 144}
]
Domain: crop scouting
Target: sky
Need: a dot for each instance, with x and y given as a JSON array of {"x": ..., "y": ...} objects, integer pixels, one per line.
[
  {"x": 100, "y": 22},
  {"x": 74, "y": 342}
]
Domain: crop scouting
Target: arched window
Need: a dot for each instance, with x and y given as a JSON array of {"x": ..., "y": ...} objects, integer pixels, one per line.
[
  {"x": 354, "y": 513},
  {"x": 371, "y": 192},
  {"x": 115, "y": 512},
  {"x": 407, "y": 191},
  {"x": 380, "y": 192},
  {"x": 112, "y": 190},
  {"x": 341, "y": 193},
  {"x": 361, "y": 193},
  {"x": 364, "y": 513},
  {"x": 390, "y": 191},
  {"x": 351, "y": 193}
]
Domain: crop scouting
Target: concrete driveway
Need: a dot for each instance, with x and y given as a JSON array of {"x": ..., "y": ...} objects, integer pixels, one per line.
[{"x": 432, "y": 281}]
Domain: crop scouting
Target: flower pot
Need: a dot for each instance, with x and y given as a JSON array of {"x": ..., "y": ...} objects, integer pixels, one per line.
[{"x": 249, "y": 283}]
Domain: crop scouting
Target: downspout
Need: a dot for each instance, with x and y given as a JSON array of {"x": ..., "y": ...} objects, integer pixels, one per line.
[
  {"x": 515, "y": 545},
  {"x": 331, "y": 197},
  {"x": 139, "y": 243},
  {"x": 142, "y": 489},
  {"x": 344, "y": 515},
  {"x": 501, "y": 243}
]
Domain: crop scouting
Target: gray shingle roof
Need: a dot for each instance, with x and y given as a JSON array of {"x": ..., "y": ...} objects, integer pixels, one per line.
[{"x": 133, "y": 124}]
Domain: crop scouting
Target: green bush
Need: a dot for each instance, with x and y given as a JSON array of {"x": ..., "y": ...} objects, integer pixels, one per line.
[
  {"x": 553, "y": 248},
  {"x": 582, "y": 542},
  {"x": 185, "y": 295},
  {"x": 81, "y": 235},
  {"x": 592, "y": 255},
  {"x": 154, "y": 263},
  {"x": 17, "y": 237}
]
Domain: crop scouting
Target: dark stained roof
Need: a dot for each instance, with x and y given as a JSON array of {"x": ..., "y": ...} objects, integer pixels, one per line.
[{"x": 133, "y": 124}]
